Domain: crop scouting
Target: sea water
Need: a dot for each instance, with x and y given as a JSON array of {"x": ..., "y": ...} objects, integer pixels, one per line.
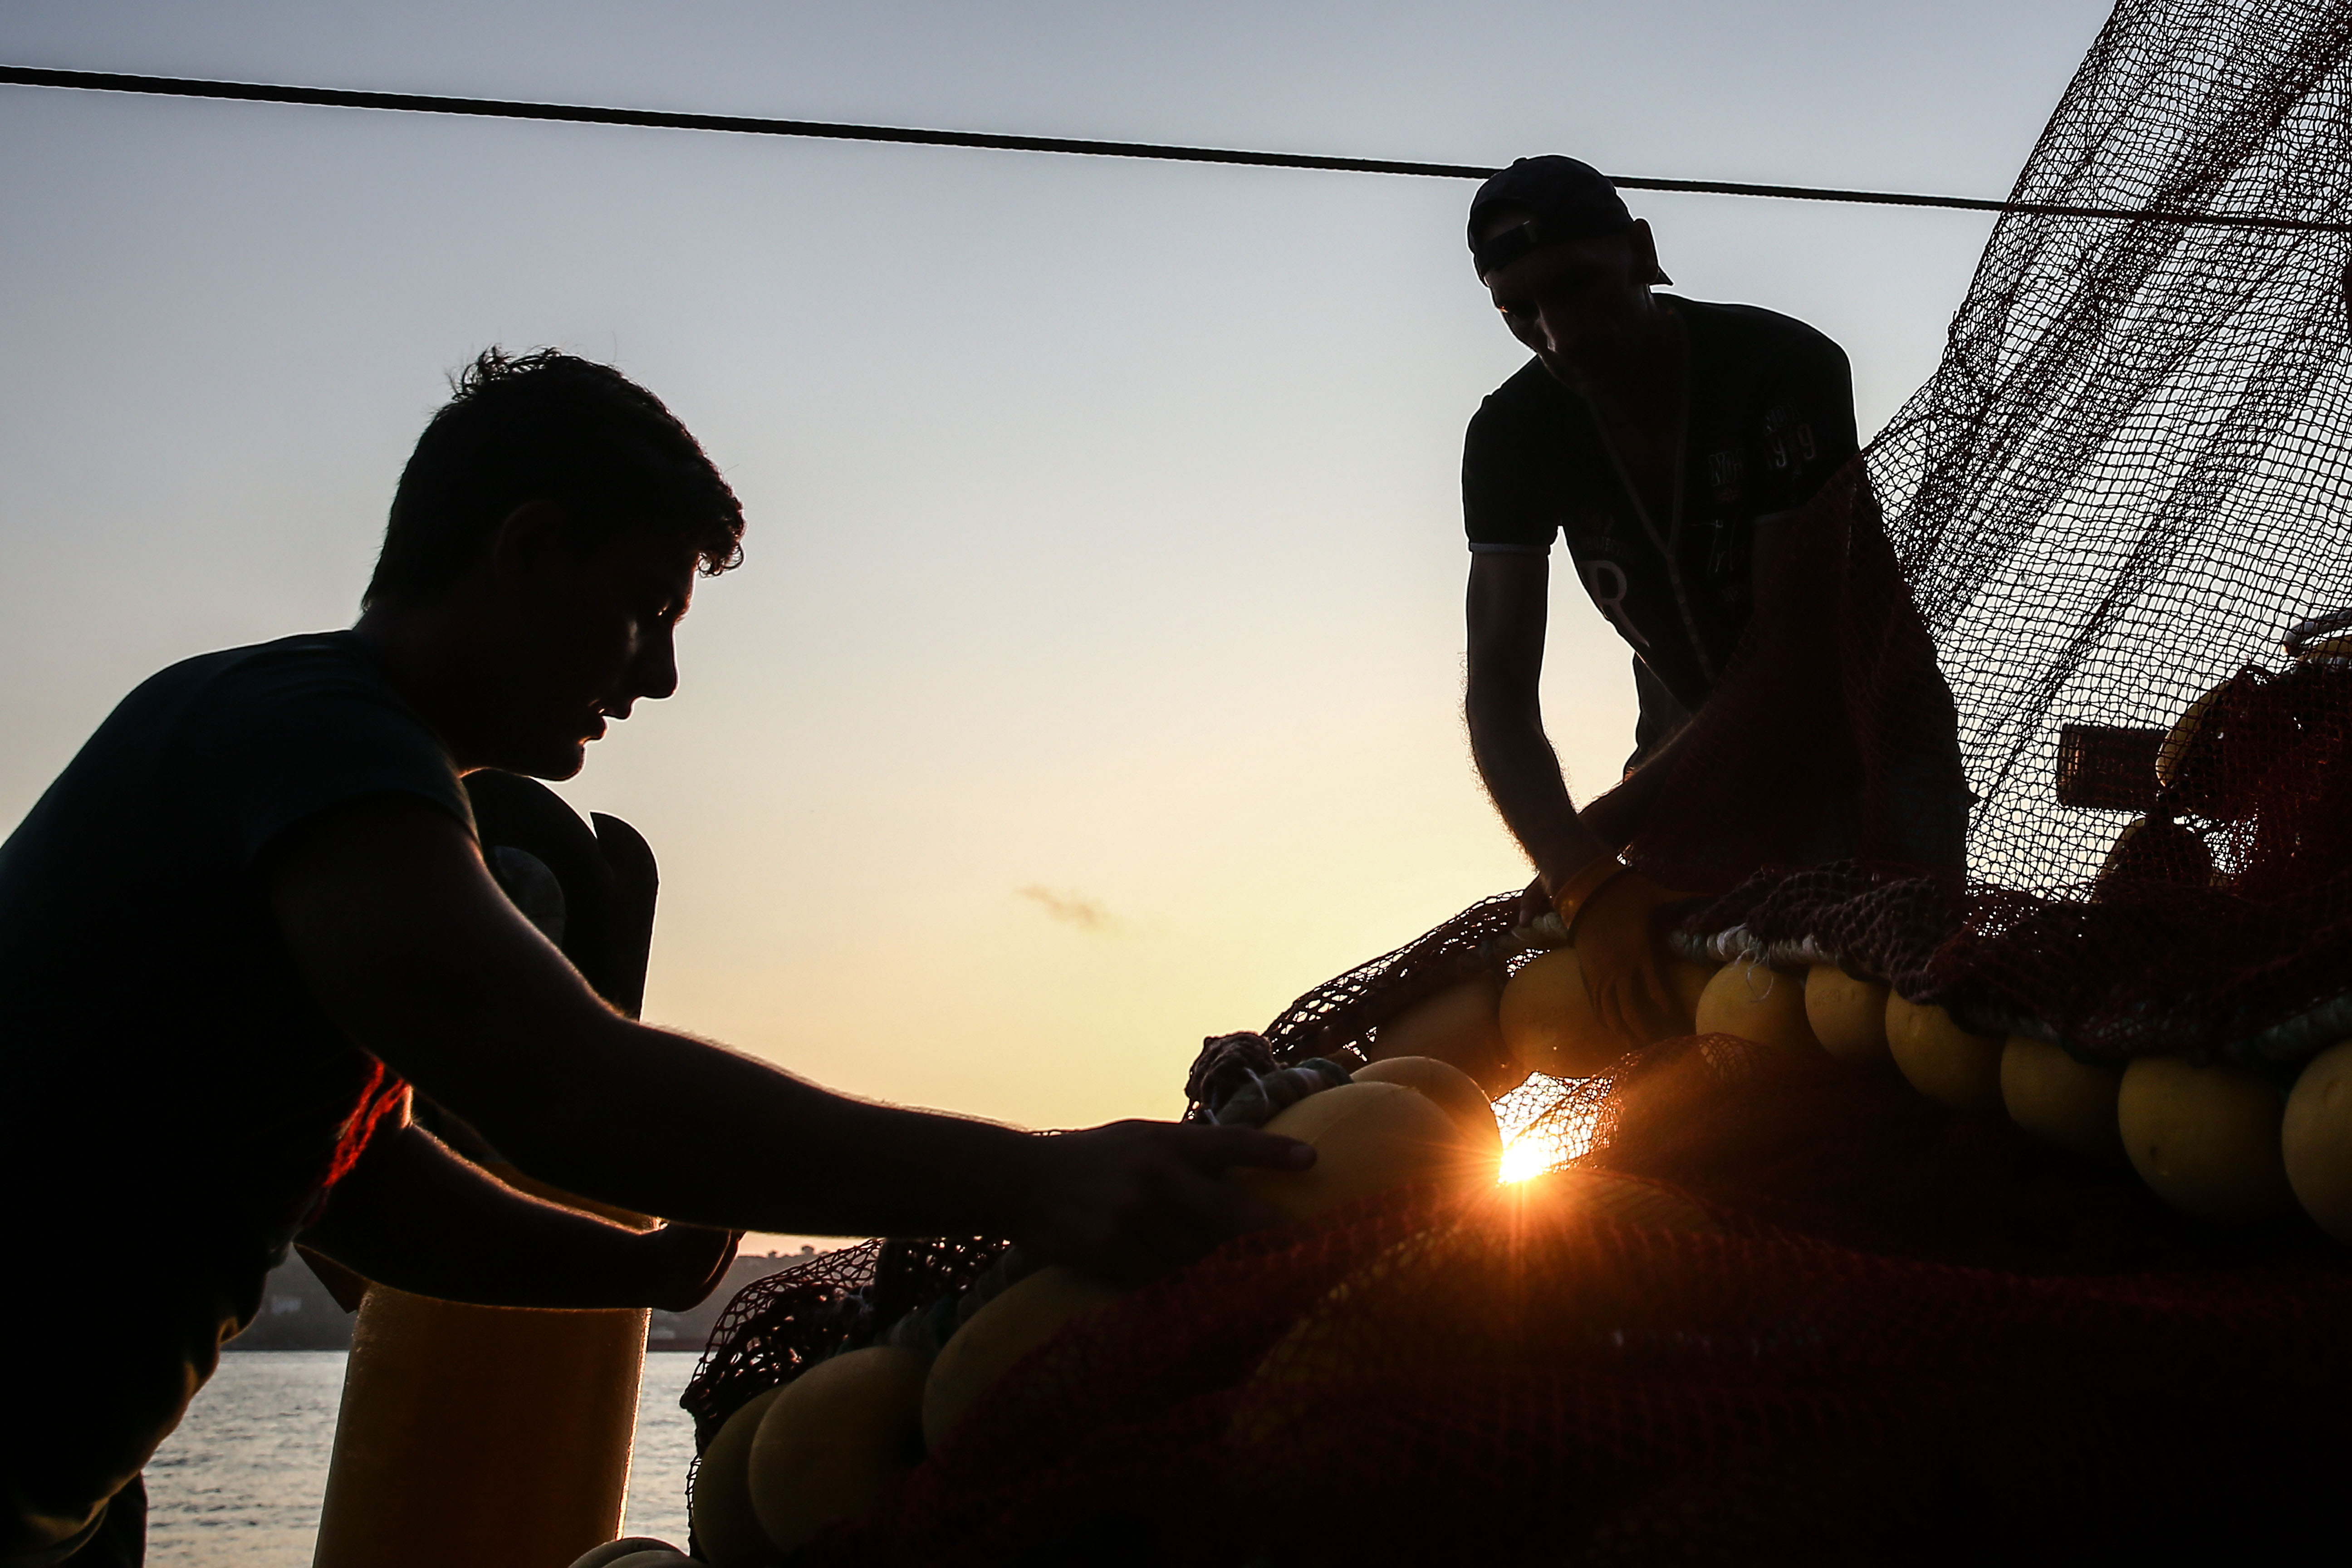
[{"x": 238, "y": 1485}]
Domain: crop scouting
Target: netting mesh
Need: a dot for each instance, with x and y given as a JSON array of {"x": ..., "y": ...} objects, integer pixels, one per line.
[
  {"x": 2128, "y": 478},
  {"x": 2125, "y": 489},
  {"x": 1835, "y": 1321}
]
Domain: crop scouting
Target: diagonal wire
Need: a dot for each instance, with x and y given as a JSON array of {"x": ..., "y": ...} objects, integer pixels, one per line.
[{"x": 753, "y": 125}]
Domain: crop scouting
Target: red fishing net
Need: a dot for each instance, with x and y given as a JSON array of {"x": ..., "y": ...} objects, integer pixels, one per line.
[{"x": 1857, "y": 1326}]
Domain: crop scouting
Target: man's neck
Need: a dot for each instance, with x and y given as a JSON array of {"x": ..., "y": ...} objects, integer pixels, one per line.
[
  {"x": 420, "y": 649},
  {"x": 1635, "y": 369}
]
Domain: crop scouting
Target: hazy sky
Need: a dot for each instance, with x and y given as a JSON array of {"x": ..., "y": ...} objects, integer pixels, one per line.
[{"x": 1094, "y": 682}]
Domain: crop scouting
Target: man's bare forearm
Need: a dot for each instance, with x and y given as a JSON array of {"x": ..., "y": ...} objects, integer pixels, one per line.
[
  {"x": 1522, "y": 775},
  {"x": 415, "y": 1217},
  {"x": 659, "y": 1122}
]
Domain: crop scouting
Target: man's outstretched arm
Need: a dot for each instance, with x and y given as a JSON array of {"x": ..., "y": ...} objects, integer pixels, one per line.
[
  {"x": 415, "y": 1217},
  {"x": 408, "y": 944}
]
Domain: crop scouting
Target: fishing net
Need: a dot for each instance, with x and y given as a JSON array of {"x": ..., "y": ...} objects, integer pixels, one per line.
[
  {"x": 2121, "y": 491},
  {"x": 1937, "y": 1343},
  {"x": 2087, "y": 592}
]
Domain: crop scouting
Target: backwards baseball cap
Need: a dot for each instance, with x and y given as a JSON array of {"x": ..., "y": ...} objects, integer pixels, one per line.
[{"x": 1564, "y": 200}]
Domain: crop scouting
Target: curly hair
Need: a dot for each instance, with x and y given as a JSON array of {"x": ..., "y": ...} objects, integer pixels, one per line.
[{"x": 548, "y": 425}]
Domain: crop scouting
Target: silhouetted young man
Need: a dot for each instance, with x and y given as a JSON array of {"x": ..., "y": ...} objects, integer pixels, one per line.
[
  {"x": 1672, "y": 445},
  {"x": 253, "y": 906}
]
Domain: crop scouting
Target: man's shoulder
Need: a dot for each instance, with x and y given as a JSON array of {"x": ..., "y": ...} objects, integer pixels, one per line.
[
  {"x": 1532, "y": 399},
  {"x": 1751, "y": 331},
  {"x": 259, "y": 674}
]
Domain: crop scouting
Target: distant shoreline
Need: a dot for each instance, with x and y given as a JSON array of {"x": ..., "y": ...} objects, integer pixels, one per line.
[{"x": 298, "y": 1314}]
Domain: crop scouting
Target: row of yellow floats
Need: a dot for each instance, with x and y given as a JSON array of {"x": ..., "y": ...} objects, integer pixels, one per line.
[{"x": 2215, "y": 1140}]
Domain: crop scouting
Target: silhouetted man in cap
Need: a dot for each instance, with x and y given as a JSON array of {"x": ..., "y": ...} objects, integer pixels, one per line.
[{"x": 1671, "y": 446}]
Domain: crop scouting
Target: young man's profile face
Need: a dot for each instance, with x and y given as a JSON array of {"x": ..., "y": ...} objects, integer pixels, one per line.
[
  {"x": 1577, "y": 303},
  {"x": 592, "y": 632}
]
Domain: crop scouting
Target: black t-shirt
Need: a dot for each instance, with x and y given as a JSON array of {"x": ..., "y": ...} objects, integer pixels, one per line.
[
  {"x": 1769, "y": 417},
  {"x": 167, "y": 1081}
]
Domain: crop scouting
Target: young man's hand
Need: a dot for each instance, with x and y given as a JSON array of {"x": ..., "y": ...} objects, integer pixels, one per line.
[
  {"x": 1137, "y": 1198},
  {"x": 684, "y": 1263},
  {"x": 1620, "y": 939}
]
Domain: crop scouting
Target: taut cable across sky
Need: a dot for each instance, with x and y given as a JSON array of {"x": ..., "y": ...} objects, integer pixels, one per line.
[{"x": 754, "y": 125}]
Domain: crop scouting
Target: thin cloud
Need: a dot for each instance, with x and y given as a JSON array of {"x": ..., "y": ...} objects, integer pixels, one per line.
[{"x": 1075, "y": 910}]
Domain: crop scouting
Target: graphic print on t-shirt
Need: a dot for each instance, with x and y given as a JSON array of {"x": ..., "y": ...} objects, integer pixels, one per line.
[{"x": 1607, "y": 583}]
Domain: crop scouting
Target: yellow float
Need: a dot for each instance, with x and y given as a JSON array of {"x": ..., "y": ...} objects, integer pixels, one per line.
[
  {"x": 2206, "y": 1139},
  {"x": 482, "y": 1436},
  {"x": 1688, "y": 981},
  {"x": 1029, "y": 1313},
  {"x": 1461, "y": 1025},
  {"x": 1451, "y": 1089},
  {"x": 1546, "y": 1019},
  {"x": 1368, "y": 1138},
  {"x": 726, "y": 1526},
  {"x": 1943, "y": 1061},
  {"x": 838, "y": 1439},
  {"x": 2062, "y": 1101},
  {"x": 2315, "y": 1139},
  {"x": 1756, "y": 1002},
  {"x": 2181, "y": 738},
  {"x": 1549, "y": 1024},
  {"x": 615, "y": 1552},
  {"x": 1847, "y": 1014}
]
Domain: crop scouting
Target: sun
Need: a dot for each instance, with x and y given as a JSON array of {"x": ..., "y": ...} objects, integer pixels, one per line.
[{"x": 1540, "y": 1133}]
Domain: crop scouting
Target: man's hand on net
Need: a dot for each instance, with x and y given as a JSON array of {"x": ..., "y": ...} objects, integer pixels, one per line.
[
  {"x": 1137, "y": 1198},
  {"x": 1619, "y": 939},
  {"x": 683, "y": 1264}
]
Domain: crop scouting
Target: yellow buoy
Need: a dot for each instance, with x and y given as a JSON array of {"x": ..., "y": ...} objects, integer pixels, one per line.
[
  {"x": 2338, "y": 647},
  {"x": 1368, "y": 1138},
  {"x": 480, "y": 1437},
  {"x": 1756, "y": 1002},
  {"x": 2181, "y": 738},
  {"x": 1847, "y": 1016},
  {"x": 1688, "y": 981},
  {"x": 1945, "y": 1062},
  {"x": 2315, "y": 1139},
  {"x": 1028, "y": 1313},
  {"x": 838, "y": 1439},
  {"x": 1548, "y": 1022},
  {"x": 2206, "y": 1138},
  {"x": 2060, "y": 1100},
  {"x": 1461, "y": 1026},
  {"x": 2157, "y": 850},
  {"x": 1452, "y": 1091},
  {"x": 726, "y": 1526},
  {"x": 614, "y": 1553}
]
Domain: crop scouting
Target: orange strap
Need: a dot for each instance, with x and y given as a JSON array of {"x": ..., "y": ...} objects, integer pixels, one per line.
[{"x": 1578, "y": 890}]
